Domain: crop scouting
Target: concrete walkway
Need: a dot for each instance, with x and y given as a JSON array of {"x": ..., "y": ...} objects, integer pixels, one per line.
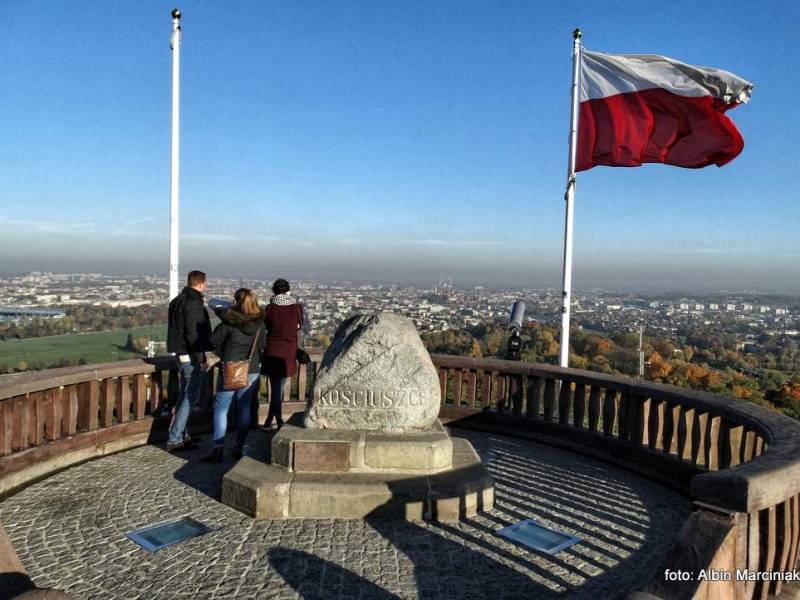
[{"x": 69, "y": 531}]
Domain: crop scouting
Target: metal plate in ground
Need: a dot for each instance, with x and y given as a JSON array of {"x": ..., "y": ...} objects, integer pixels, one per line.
[
  {"x": 160, "y": 536},
  {"x": 538, "y": 537},
  {"x": 487, "y": 456}
]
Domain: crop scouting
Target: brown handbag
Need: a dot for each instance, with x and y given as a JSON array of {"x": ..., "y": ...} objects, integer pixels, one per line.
[{"x": 235, "y": 372}]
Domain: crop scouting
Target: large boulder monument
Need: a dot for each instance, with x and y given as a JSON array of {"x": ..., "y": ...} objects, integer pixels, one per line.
[{"x": 370, "y": 442}]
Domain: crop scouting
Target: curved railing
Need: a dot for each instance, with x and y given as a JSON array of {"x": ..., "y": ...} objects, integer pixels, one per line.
[{"x": 739, "y": 462}]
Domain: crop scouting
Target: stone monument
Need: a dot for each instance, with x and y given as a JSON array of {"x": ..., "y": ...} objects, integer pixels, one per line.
[
  {"x": 370, "y": 442},
  {"x": 376, "y": 376}
]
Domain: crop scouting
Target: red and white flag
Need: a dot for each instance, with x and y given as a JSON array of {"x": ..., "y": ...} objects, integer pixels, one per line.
[{"x": 645, "y": 108}]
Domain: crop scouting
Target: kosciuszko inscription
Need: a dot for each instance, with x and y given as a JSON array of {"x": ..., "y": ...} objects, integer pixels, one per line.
[
  {"x": 375, "y": 376},
  {"x": 370, "y": 399}
]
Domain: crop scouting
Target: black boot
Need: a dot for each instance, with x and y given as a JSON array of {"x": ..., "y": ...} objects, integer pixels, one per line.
[{"x": 215, "y": 456}]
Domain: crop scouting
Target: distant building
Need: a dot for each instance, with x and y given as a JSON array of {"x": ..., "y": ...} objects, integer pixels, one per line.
[
  {"x": 19, "y": 314},
  {"x": 730, "y": 307}
]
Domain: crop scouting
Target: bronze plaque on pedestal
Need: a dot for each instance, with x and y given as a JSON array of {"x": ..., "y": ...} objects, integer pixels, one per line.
[{"x": 321, "y": 456}]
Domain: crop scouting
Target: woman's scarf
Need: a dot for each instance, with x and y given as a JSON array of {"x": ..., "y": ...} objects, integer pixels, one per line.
[{"x": 284, "y": 299}]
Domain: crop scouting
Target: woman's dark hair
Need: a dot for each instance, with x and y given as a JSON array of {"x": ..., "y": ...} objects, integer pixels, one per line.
[{"x": 281, "y": 286}]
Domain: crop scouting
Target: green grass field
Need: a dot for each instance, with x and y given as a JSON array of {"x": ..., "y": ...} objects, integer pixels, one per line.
[{"x": 103, "y": 346}]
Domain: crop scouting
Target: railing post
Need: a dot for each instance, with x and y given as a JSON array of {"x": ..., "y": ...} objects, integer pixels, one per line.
[
  {"x": 655, "y": 439},
  {"x": 685, "y": 427},
  {"x": 53, "y": 414},
  {"x": 156, "y": 384},
  {"x": 594, "y": 407},
  {"x": 641, "y": 434},
  {"x": 107, "y": 403},
  {"x": 88, "y": 394},
  {"x": 19, "y": 435},
  {"x": 534, "y": 400},
  {"x": 139, "y": 396},
  {"x": 37, "y": 402},
  {"x": 624, "y": 412},
  {"x": 564, "y": 401},
  {"x": 609, "y": 412},
  {"x": 6, "y": 427},
  {"x": 579, "y": 406},
  {"x": 457, "y": 384},
  {"x": 549, "y": 399},
  {"x": 70, "y": 399},
  {"x": 517, "y": 392},
  {"x": 487, "y": 389},
  {"x": 123, "y": 399},
  {"x": 472, "y": 388},
  {"x": 443, "y": 386},
  {"x": 699, "y": 439}
]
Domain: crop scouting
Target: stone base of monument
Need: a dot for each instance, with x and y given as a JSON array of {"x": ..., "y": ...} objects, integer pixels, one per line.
[
  {"x": 319, "y": 473},
  {"x": 334, "y": 450}
]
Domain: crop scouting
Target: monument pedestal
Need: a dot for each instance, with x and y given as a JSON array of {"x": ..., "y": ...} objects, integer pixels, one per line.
[
  {"x": 319, "y": 473},
  {"x": 372, "y": 445},
  {"x": 334, "y": 450}
]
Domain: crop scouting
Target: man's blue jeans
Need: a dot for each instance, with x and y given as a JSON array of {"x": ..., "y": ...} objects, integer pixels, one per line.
[
  {"x": 191, "y": 380},
  {"x": 222, "y": 402}
]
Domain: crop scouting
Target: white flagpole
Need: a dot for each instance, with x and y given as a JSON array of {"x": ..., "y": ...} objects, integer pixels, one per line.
[
  {"x": 569, "y": 197},
  {"x": 175, "y": 44}
]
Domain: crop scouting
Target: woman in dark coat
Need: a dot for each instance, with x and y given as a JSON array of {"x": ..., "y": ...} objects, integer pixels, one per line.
[
  {"x": 283, "y": 318},
  {"x": 239, "y": 335}
]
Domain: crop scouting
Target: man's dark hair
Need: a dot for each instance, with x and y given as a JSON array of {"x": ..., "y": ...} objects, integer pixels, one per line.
[
  {"x": 281, "y": 286},
  {"x": 195, "y": 278}
]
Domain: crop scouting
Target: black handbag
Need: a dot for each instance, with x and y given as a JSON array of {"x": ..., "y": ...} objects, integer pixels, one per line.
[{"x": 302, "y": 357}]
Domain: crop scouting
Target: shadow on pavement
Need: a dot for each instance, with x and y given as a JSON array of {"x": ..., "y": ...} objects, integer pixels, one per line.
[{"x": 314, "y": 578}]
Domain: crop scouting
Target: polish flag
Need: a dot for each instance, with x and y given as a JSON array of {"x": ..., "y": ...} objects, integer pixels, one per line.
[{"x": 644, "y": 108}]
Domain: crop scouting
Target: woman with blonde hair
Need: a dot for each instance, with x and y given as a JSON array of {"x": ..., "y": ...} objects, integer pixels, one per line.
[{"x": 239, "y": 336}]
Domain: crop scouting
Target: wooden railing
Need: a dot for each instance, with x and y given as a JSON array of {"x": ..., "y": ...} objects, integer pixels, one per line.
[
  {"x": 51, "y": 419},
  {"x": 736, "y": 460}
]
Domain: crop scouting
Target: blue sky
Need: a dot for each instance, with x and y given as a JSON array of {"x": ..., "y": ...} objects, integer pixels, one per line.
[{"x": 383, "y": 141}]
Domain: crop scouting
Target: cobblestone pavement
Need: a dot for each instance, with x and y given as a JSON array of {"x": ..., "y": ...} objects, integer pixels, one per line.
[{"x": 69, "y": 531}]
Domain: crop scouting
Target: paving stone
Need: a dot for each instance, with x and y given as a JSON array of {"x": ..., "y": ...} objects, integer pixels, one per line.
[{"x": 69, "y": 531}]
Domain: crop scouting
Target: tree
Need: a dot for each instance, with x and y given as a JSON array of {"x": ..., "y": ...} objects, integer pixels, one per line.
[
  {"x": 475, "y": 349},
  {"x": 658, "y": 369}
]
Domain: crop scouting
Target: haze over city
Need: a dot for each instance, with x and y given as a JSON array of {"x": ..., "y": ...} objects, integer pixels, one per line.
[{"x": 382, "y": 142}]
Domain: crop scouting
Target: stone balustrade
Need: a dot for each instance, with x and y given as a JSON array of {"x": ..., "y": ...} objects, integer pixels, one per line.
[{"x": 738, "y": 461}]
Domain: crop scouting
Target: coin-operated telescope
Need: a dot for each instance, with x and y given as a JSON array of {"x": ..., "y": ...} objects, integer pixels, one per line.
[
  {"x": 514, "y": 344},
  {"x": 219, "y": 306}
]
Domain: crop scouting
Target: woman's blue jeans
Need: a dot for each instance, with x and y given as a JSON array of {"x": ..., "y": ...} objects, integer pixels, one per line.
[{"x": 222, "y": 402}]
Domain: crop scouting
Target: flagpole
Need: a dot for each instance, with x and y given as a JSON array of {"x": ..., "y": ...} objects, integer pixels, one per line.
[
  {"x": 175, "y": 44},
  {"x": 569, "y": 198}
]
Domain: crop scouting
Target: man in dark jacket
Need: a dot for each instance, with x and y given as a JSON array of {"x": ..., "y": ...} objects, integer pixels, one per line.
[{"x": 189, "y": 337}]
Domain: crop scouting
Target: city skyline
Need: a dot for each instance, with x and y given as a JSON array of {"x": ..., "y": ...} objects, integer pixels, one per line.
[{"x": 387, "y": 142}]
